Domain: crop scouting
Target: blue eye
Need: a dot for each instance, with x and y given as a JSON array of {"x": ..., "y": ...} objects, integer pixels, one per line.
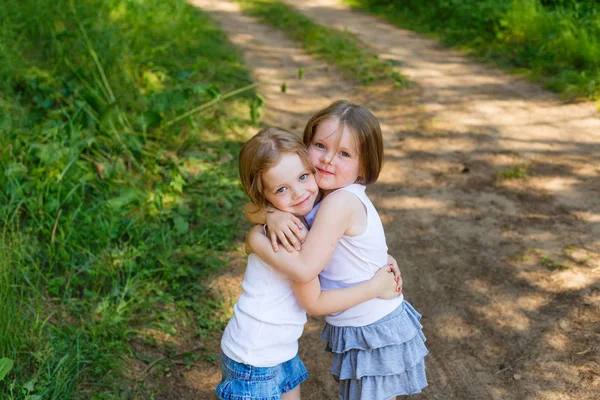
[
  {"x": 280, "y": 190},
  {"x": 319, "y": 145},
  {"x": 345, "y": 154},
  {"x": 303, "y": 177}
]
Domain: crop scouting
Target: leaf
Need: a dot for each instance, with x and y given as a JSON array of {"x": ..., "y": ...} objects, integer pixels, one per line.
[
  {"x": 211, "y": 89},
  {"x": 184, "y": 74},
  {"x": 181, "y": 225},
  {"x": 284, "y": 87},
  {"x": 300, "y": 73},
  {"x": 29, "y": 386},
  {"x": 6, "y": 365},
  {"x": 147, "y": 120},
  {"x": 255, "y": 108},
  {"x": 108, "y": 117}
]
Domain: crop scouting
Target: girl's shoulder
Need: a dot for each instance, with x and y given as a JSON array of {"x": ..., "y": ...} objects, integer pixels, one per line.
[
  {"x": 341, "y": 202},
  {"x": 347, "y": 193}
]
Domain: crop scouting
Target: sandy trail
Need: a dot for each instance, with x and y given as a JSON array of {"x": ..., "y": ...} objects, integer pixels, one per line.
[{"x": 506, "y": 272}]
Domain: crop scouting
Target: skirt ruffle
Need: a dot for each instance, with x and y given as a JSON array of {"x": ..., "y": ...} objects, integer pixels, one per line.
[
  {"x": 380, "y": 360},
  {"x": 385, "y": 387}
]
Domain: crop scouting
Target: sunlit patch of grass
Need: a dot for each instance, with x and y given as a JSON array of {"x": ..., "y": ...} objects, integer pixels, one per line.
[{"x": 341, "y": 48}]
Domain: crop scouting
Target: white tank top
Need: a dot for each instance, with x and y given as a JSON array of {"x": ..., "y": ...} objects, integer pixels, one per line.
[
  {"x": 267, "y": 319},
  {"x": 356, "y": 259}
]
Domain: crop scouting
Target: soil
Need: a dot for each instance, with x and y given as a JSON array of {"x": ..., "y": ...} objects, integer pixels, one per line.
[{"x": 490, "y": 197}]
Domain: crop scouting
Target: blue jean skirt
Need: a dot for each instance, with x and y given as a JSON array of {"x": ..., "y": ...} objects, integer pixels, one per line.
[
  {"x": 380, "y": 360},
  {"x": 245, "y": 382}
]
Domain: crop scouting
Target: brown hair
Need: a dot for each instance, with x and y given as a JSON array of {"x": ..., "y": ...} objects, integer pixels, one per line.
[
  {"x": 262, "y": 152},
  {"x": 365, "y": 127}
]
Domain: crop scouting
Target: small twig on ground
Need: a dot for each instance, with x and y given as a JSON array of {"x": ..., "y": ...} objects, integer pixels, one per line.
[
  {"x": 97, "y": 166},
  {"x": 159, "y": 359},
  {"x": 55, "y": 225}
]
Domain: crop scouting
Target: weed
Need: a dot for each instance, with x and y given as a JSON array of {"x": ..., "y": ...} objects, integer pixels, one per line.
[
  {"x": 513, "y": 173},
  {"x": 518, "y": 257},
  {"x": 553, "y": 265}
]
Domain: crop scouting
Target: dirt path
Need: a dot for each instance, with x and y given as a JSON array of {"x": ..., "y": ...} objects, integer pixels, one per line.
[{"x": 506, "y": 272}]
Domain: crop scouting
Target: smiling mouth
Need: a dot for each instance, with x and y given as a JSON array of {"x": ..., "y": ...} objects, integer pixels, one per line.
[
  {"x": 322, "y": 171},
  {"x": 303, "y": 202}
]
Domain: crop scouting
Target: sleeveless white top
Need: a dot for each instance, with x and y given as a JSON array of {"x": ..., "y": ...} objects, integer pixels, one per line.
[
  {"x": 267, "y": 319},
  {"x": 356, "y": 259}
]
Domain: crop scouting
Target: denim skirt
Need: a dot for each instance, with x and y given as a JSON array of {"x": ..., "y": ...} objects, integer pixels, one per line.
[
  {"x": 245, "y": 382},
  {"x": 380, "y": 360}
]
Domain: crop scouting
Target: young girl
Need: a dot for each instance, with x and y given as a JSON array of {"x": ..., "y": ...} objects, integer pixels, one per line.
[
  {"x": 260, "y": 344},
  {"x": 378, "y": 346}
]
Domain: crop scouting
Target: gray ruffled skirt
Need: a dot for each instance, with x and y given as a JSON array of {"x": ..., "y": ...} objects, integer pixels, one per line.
[{"x": 380, "y": 360}]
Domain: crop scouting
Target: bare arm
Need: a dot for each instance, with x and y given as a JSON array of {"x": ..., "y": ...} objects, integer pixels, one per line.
[
  {"x": 333, "y": 219},
  {"x": 318, "y": 302},
  {"x": 255, "y": 214}
]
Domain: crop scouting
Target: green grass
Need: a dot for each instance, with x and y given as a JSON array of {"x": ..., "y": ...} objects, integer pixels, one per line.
[
  {"x": 342, "y": 49},
  {"x": 514, "y": 173},
  {"x": 553, "y": 265},
  {"x": 112, "y": 210},
  {"x": 556, "y": 44}
]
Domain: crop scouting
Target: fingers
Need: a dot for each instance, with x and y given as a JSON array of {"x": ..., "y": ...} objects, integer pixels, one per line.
[
  {"x": 397, "y": 277},
  {"x": 297, "y": 222},
  {"x": 291, "y": 237},
  {"x": 399, "y": 285},
  {"x": 273, "y": 238},
  {"x": 284, "y": 242}
]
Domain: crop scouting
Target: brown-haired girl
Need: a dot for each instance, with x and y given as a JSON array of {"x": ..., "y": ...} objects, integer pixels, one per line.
[
  {"x": 259, "y": 357},
  {"x": 378, "y": 346}
]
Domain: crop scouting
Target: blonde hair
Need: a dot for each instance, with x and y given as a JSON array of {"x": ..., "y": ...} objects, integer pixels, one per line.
[
  {"x": 365, "y": 127},
  {"x": 262, "y": 152}
]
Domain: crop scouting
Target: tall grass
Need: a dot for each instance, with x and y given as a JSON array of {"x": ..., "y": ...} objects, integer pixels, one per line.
[
  {"x": 556, "y": 42},
  {"x": 112, "y": 210}
]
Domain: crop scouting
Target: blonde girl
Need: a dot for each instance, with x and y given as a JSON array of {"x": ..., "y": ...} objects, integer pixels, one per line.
[
  {"x": 259, "y": 359},
  {"x": 378, "y": 345}
]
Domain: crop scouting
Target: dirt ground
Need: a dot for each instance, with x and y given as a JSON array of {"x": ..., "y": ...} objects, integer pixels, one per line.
[{"x": 506, "y": 272}]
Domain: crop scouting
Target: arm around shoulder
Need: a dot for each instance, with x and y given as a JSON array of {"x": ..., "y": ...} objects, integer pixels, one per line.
[{"x": 333, "y": 219}]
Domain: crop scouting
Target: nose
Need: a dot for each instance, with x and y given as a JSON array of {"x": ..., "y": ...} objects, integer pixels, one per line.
[
  {"x": 296, "y": 191},
  {"x": 327, "y": 158}
]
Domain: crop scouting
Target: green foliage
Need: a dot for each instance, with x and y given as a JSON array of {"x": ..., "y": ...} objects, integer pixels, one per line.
[
  {"x": 112, "y": 209},
  {"x": 554, "y": 41},
  {"x": 337, "y": 47},
  {"x": 6, "y": 365}
]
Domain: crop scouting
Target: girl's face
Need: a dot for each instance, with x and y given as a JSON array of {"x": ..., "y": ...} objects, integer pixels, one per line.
[
  {"x": 290, "y": 186},
  {"x": 334, "y": 154}
]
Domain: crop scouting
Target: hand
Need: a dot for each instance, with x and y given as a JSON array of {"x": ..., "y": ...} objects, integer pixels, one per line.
[
  {"x": 396, "y": 271},
  {"x": 384, "y": 284},
  {"x": 256, "y": 230},
  {"x": 287, "y": 228}
]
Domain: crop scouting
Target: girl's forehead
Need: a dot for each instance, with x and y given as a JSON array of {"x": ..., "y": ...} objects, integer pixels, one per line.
[
  {"x": 330, "y": 130},
  {"x": 287, "y": 163}
]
